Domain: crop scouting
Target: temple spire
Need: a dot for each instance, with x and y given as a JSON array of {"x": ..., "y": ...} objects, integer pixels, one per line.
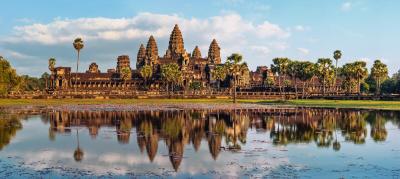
[
  {"x": 151, "y": 51},
  {"x": 214, "y": 54},
  {"x": 176, "y": 45},
  {"x": 196, "y": 52},
  {"x": 141, "y": 56}
]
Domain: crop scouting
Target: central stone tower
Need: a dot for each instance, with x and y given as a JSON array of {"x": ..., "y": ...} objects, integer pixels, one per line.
[{"x": 176, "y": 46}]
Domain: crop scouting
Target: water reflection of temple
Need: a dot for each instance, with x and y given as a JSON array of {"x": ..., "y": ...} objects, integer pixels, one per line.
[
  {"x": 219, "y": 129},
  {"x": 176, "y": 128}
]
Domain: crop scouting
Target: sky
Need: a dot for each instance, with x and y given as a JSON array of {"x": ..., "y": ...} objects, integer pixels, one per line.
[{"x": 33, "y": 31}]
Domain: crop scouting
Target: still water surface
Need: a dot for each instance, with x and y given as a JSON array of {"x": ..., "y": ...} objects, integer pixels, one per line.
[{"x": 282, "y": 143}]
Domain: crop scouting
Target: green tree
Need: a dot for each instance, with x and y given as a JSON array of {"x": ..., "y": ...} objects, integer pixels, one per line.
[
  {"x": 44, "y": 80},
  {"x": 306, "y": 73},
  {"x": 52, "y": 63},
  {"x": 371, "y": 83},
  {"x": 294, "y": 71},
  {"x": 235, "y": 68},
  {"x": 219, "y": 74},
  {"x": 360, "y": 72},
  {"x": 78, "y": 45},
  {"x": 364, "y": 87},
  {"x": 390, "y": 86},
  {"x": 379, "y": 73},
  {"x": 324, "y": 70},
  {"x": 348, "y": 76},
  {"x": 171, "y": 74},
  {"x": 280, "y": 67},
  {"x": 146, "y": 72},
  {"x": 126, "y": 74},
  {"x": 195, "y": 86},
  {"x": 9, "y": 80},
  {"x": 337, "y": 54}
]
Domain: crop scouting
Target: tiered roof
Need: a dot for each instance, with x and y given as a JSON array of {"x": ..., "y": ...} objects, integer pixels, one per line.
[
  {"x": 176, "y": 45},
  {"x": 214, "y": 54},
  {"x": 152, "y": 50},
  {"x": 196, "y": 52}
]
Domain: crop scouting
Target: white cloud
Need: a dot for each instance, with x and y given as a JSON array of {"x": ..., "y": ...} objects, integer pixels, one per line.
[
  {"x": 346, "y": 6},
  {"x": 261, "y": 49},
  {"x": 63, "y": 30},
  {"x": 106, "y": 38},
  {"x": 301, "y": 28},
  {"x": 304, "y": 51}
]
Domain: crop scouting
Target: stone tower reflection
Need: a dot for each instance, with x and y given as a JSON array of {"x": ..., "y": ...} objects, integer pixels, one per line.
[{"x": 223, "y": 130}]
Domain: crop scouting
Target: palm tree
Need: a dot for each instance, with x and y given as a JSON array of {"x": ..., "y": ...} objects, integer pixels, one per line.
[
  {"x": 235, "y": 69},
  {"x": 294, "y": 72},
  {"x": 337, "y": 54},
  {"x": 78, "y": 45},
  {"x": 280, "y": 67},
  {"x": 146, "y": 72},
  {"x": 324, "y": 71},
  {"x": 306, "y": 73},
  {"x": 52, "y": 64},
  {"x": 379, "y": 73},
  {"x": 171, "y": 74},
  {"x": 126, "y": 74},
  {"x": 219, "y": 74},
  {"x": 360, "y": 72},
  {"x": 78, "y": 153},
  {"x": 347, "y": 73}
]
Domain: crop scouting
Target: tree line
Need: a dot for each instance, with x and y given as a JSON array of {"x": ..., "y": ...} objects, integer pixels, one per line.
[
  {"x": 352, "y": 77},
  {"x": 11, "y": 81}
]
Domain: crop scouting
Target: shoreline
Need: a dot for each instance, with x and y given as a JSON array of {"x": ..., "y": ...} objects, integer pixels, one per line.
[{"x": 200, "y": 103}]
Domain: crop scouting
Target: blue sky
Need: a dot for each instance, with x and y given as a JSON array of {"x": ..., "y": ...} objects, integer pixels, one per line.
[{"x": 33, "y": 31}]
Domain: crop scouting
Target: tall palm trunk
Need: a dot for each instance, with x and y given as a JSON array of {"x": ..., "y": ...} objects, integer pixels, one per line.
[
  {"x": 323, "y": 88},
  {"x": 77, "y": 68},
  {"x": 337, "y": 91},
  {"x": 280, "y": 85},
  {"x": 283, "y": 90},
  {"x": 378, "y": 87},
  {"x": 234, "y": 89},
  {"x": 168, "y": 90},
  {"x": 295, "y": 87},
  {"x": 359, "y": 86}
]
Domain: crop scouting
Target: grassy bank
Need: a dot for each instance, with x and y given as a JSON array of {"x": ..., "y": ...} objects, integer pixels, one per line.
[
  {"x": 366, "y": 104},
  {"x": 43, "y": 102}
]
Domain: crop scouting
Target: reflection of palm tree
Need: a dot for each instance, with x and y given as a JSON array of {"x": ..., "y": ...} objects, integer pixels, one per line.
[
  {"x": 78, "y": 153},
  {"x": 336, "y": 143},
  {"x": 378, "y": 130}
]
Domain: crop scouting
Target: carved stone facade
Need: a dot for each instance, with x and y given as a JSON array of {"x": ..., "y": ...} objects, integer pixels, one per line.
[
  {"x": 214, "y": 54},
  {"x": 123, "y": 62},
  {"x": 194, "y": 67},
  {"x": 93, "y": 68},
  {"x": 196, "y": 53}
]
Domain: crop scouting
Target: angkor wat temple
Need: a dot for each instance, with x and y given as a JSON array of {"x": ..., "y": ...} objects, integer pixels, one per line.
[{"x": 194, "y": 67}]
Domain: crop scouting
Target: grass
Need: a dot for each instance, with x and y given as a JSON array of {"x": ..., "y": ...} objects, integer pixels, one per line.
[
  {"x": 365, "y": 104},
  {"x": 362, "y": 104}
]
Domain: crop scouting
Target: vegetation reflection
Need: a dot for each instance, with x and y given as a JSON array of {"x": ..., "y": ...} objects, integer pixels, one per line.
[{"x": 221, "y": 130}]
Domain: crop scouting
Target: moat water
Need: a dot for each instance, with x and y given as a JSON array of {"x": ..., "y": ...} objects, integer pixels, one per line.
[{"x": 273, "y": 143}]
